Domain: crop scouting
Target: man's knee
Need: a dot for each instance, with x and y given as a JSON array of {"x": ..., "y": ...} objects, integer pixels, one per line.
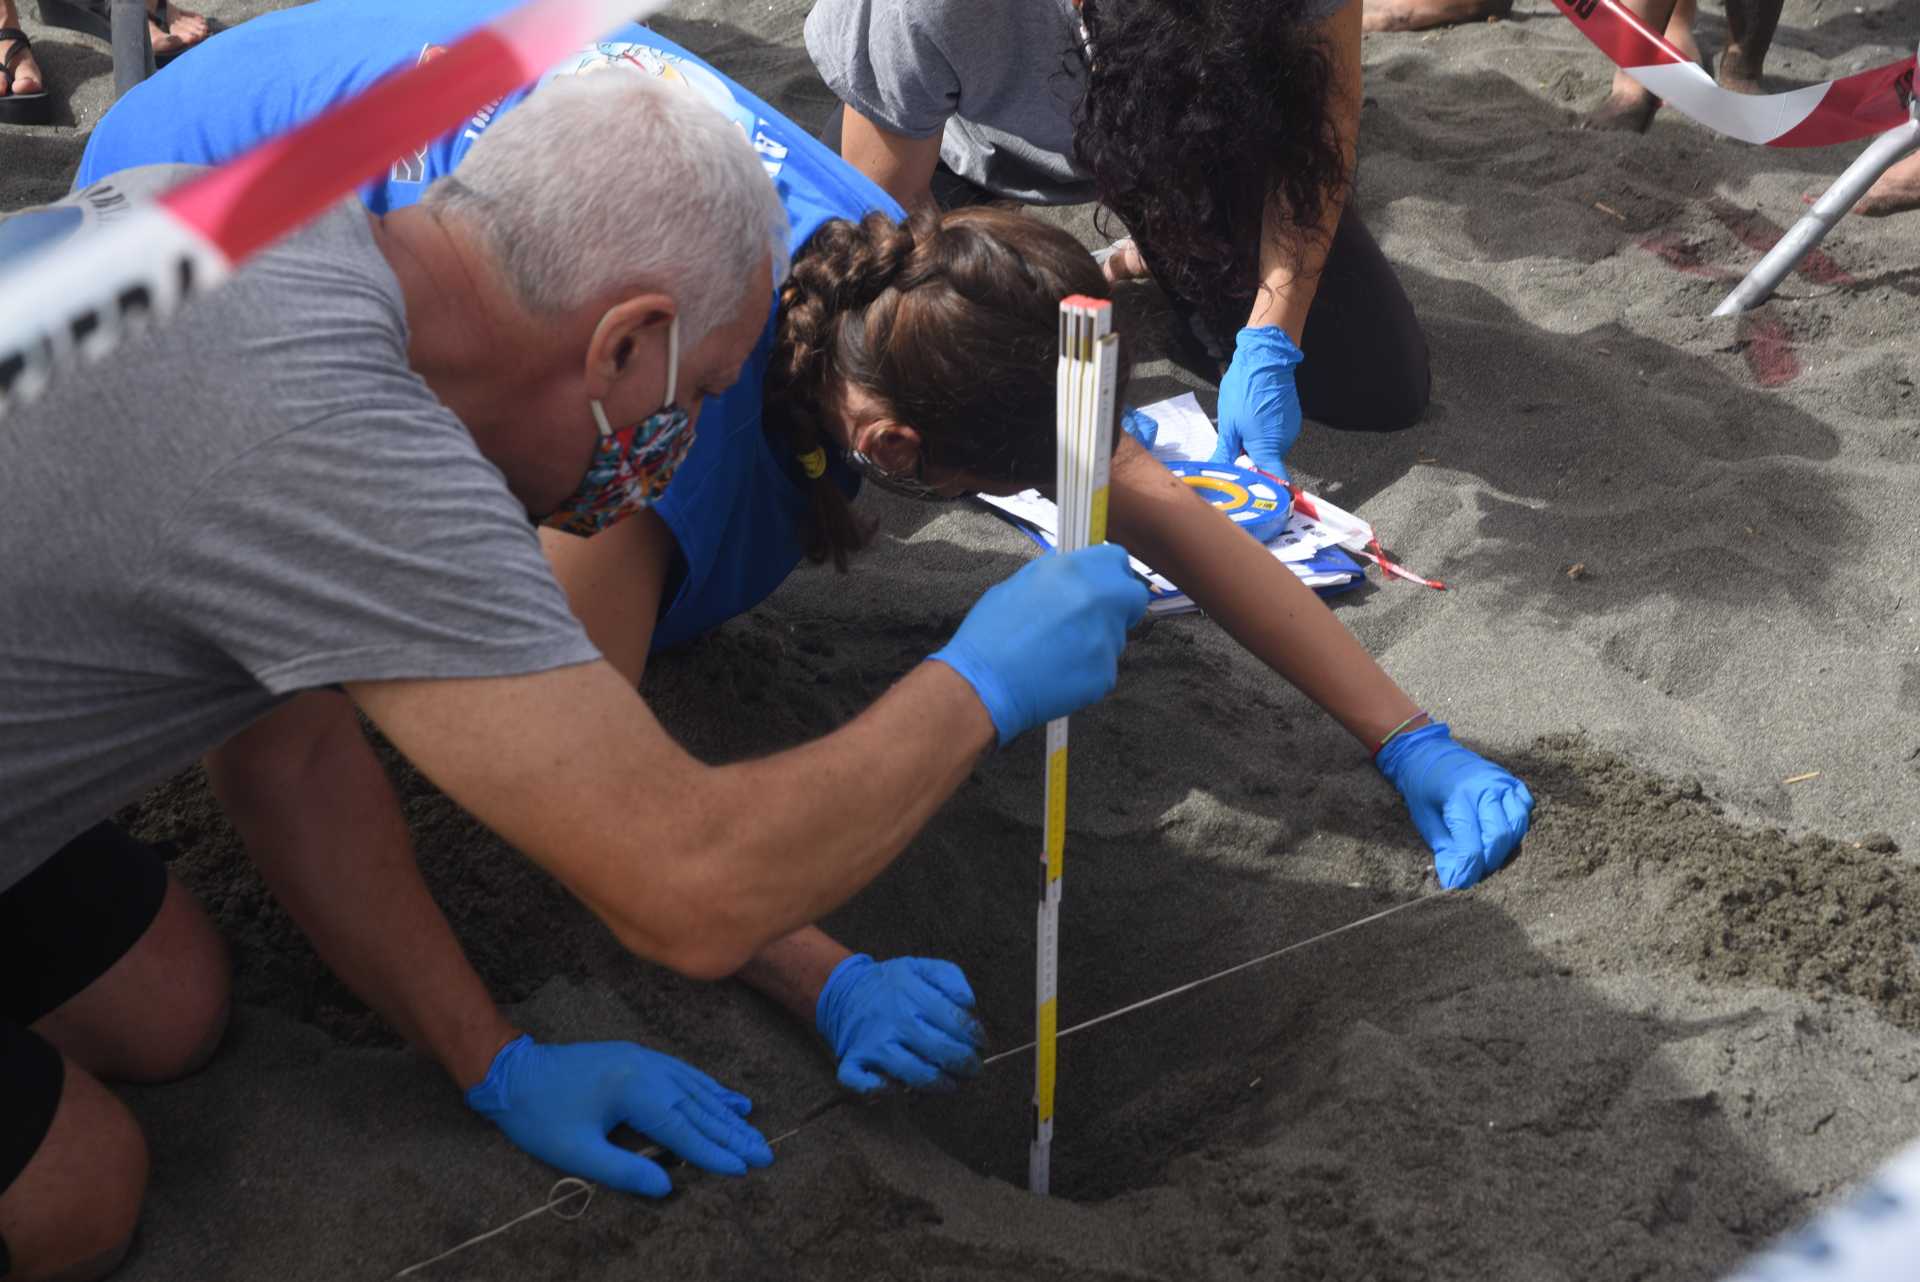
[
  {"x": 158, "y": 1012},
  {"x": 68, "y": 1214},
  {"x": 193, "y": 978}
]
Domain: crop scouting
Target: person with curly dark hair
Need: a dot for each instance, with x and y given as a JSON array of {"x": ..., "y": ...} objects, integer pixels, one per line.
[{"x": 1222, "y": 135}]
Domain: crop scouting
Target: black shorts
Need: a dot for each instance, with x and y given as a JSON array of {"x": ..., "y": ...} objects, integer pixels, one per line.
[{"x": 61, "y": 927}]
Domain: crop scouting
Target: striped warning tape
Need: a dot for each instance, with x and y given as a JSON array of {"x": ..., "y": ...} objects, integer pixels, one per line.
[
  {"x": 135, "y": 271},
  {"x": 1843, "y": 110}
]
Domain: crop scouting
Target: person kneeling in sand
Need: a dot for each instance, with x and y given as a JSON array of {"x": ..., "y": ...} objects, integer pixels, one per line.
[
  {"x": 1221, "y": 135},
  {"x": 320, "y": 478},
  {"x": 919, "y": 354}
]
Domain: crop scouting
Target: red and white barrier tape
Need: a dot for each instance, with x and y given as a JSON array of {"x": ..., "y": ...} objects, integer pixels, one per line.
[
  {"x": 92, "y": 289},
  {"x": 1843, "y": 110}
]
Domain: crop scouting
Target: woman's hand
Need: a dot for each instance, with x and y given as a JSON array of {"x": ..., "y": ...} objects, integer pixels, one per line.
[
  {"x": 1259, "y": 405},
  {"x": 1472, "y": 812}
]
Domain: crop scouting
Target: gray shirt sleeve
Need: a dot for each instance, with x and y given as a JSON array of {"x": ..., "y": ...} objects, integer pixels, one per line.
[
  {"x": 886, "y": 60},
  {"x": 376, "y": 544}
]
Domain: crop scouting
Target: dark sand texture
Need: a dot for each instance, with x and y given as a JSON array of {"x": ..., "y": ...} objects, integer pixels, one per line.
[{"x": 1678, "y": 1022}]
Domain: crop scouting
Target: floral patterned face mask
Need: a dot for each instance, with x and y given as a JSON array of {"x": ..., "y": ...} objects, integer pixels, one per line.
[{"x": 630, "y": 467}]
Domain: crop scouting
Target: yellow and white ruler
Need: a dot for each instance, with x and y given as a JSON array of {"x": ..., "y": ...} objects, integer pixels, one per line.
[{"x": 1084, "y": 409}]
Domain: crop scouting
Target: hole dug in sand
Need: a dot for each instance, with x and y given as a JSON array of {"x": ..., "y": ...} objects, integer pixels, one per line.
[{"x": 1625, "y": 1056}]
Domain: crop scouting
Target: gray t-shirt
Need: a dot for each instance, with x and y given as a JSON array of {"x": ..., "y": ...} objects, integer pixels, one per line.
[
  {"x": 255, "y": 499},
  {"x": 1000, "y": 77}
]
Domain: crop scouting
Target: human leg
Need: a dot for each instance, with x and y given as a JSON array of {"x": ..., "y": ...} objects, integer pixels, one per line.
[
  {"x": 23, "y": 90},
  {"x": 1418, "y": 15},
  {"x": 1895, "y": 192},
  {"x": 1750, "y": 28},
  {"x": 73, "y": 1166},
  {"x": 107, "y": 968},
  {"x": 1630, "y": 105},
  {"x": 1367, "y": 368},
  {"x": 170, "y": 30},
  {"x": 113, "y": 961}
]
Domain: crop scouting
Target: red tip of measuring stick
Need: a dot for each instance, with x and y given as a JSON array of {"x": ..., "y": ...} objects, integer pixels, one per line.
[{"x": 1083, "y": 300}]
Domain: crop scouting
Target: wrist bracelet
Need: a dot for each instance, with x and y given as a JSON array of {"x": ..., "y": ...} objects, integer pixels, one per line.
[{"x": 1396, "y": 731}]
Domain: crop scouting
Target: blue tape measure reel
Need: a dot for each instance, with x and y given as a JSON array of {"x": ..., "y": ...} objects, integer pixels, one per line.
[{"x": 1251, "y": 501}]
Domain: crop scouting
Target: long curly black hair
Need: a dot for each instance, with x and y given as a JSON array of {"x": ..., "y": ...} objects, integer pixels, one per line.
[{"x": 1197, "y": 114}]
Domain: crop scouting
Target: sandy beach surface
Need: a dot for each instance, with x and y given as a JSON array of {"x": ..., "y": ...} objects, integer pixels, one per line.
[{"x": 1682, "y": 554}]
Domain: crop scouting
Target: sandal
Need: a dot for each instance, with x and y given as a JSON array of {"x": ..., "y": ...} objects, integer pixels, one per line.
[
  {"x": 93, "y": 18},
  {"x": 21, "y": 108}
]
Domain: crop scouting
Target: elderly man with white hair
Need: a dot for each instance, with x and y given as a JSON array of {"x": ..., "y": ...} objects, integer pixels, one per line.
[{"x": 327, "y": 476}]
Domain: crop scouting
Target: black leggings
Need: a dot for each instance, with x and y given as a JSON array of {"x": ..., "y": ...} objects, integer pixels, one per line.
[{"x": 1366, "y": 368}]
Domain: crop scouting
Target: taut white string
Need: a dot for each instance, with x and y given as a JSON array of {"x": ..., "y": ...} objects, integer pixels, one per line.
[{"x": 580, "y": 1188}]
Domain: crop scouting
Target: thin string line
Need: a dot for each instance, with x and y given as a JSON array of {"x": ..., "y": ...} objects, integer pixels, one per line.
[
  {"x": 1157, "y": 998},
  {"x": 574, "y": 1188},
  {"x": 577, "y": 1188}
]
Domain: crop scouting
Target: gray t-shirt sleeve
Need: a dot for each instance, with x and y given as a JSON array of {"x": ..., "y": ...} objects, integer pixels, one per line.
[
  {"x": 372, "y": 545},
  {"x": 886, "y": 59}
]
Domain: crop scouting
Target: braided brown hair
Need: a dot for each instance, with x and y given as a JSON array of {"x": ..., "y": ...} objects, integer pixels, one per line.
[{"x": 950, "y": 321}]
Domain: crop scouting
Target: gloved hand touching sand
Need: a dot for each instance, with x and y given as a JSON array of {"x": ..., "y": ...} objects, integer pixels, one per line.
[
  {"x": 1472, "y": 812},
  {"x": 908, "y": 1020},
  {"x": 1047, "y": 641},
  {"x": 1259, "y": 405},
  {"x": 560, "y": 1102}
]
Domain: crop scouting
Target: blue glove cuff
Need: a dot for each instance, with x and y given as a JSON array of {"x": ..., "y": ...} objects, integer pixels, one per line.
[
  {"x": 823, "y": 1009},
  {"x": 1401, "y": 745},
  {"x": 986, "y": 684},
  {"x": 489, "y": 1098},
  {"x": 1273, "y": 345}
]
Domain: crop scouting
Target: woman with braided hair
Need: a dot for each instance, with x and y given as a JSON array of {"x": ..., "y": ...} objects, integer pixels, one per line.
[
  {"x": 1220, "y": 132},
  {"x": 915, "y": 352}
]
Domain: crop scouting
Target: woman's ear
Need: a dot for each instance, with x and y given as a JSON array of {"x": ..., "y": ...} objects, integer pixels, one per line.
[{"x": 893, "y": 446}]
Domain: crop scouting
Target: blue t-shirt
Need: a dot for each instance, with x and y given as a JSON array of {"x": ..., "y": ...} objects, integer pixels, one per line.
[{"x": 736, "y": 504}]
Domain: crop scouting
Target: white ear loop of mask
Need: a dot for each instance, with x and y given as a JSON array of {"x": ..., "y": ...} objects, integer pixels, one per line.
[{"x": 673, "y": 375}]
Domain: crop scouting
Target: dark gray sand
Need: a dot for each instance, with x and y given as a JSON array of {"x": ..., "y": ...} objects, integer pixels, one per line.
[{"x": 1678, "y": 1022}]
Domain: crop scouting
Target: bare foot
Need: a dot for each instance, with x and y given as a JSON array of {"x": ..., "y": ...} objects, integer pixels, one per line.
[
  {"x": 1739, "y": 71},
  {"x": 182, "y": 31},
  {"x": 1897, "y": 191},
  {"x": 1629, "y": 108},
  {"x": 25, "y": 72},
  {"x": 1418, "y": 15},
  {"x": 22, "y": 75}
]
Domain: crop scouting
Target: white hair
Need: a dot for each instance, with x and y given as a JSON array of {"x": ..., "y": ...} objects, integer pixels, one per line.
[{"x": 616, "y": 179}]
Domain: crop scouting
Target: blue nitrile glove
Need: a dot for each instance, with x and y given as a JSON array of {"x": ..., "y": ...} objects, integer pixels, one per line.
[
  {"x": 1472, "y": 812},
  {"x": 1047, "y": 641},
  {"x": 1259, "y": 406},
  {"x": 560, "y": 1102},
  {"x": 909, "y": 1019},
  {"x": 1141, "y": 426}
]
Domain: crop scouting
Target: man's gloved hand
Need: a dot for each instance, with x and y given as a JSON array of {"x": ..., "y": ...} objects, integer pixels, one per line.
[
  {"x": 1259, "y": 406},
  {"x": 909, "y": 1019},
  {"x": 1472, "y": 812},
  {"x": 1047, "y": 641},
  {"x": 560, "y": 1102}
]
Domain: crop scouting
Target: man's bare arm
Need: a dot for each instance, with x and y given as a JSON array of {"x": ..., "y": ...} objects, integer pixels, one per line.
[
  {"x": 320, "y": 820},
  {"x": 693, "y": 866}
]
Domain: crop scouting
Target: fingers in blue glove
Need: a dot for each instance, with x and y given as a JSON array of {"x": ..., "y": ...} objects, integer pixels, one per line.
[
  {"x": 1259, "y": 405},
  {"x": 948, "y": 978},
  {"x": 713, "y": 1138},
  {"x": 1047, "y": 641},
  {"x": 695, "y": 1081},
  {"x": 599, "y": 1159}
]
